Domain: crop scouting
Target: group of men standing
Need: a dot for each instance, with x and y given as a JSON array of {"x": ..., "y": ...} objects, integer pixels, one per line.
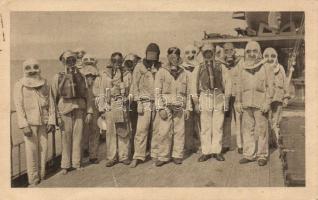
[{"x": 181, "y": 106}]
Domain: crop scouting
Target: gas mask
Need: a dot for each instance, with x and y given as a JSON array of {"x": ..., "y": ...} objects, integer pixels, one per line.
[
  {"x": 190, "y": 53},
  {"x": 131, "y": 61},
  {"x": 89, "y": 60},
  {"x": 229, "y": 54},
  {"x": 80, "y": 53},
  {"x": 90, "y": 72},
  {"x": 116, "y": 60},
  {"x": 252, "y": 53},
  {"x": 270, "y": 55},
  {"x": 151, "y": 65},
  {"x": 174, "y": 58},
  {"x": 68, "y": 58},
  {"x": 32, "y": 73},
  {"x": 31, "y": 68},
  {"x": 208, "y": 52}
]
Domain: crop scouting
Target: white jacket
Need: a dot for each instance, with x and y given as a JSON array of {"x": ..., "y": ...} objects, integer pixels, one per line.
[{"x": 31, "y": 104}]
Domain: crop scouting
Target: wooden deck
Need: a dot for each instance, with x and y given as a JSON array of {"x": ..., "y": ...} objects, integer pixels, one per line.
[{"x": 190, "y": 174}]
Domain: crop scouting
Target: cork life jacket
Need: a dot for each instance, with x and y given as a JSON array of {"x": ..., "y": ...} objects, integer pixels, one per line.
[
  {"x": 72, "y": 84},
  {"x": 210, "y": 77}
]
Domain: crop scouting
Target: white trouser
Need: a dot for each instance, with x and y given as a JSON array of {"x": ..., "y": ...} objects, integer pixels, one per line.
[
  {"x": 36, "y": 153},
  {"x": 212, "y": 118}
]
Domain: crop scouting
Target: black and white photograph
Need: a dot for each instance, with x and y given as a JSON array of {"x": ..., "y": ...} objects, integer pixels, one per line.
[{"x": 157, "y": 99}]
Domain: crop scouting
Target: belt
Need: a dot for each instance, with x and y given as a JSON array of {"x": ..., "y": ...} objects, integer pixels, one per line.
[
  {"x": 214, "y": 91},
  {"x": 146, "y": 100},
  {"x": 117, "y": 98}
]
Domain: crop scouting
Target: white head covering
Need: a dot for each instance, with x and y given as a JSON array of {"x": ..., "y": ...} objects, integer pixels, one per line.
[
  {"x": 252, "y": 45},
  {"x": 80, "y": 49},
  {"x": 89, "y": 60},
  {"x": 192, "y": 52},
  {"x": 31, "y": 65},
  {"x": 271, "y": 51},
  {"x": 89, "y": 69}
]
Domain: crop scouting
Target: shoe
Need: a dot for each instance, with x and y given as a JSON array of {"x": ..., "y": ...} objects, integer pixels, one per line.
[
  {"x": 93, "y": 161},
  {"x": 79, "y": 168},
  {"x": 177, "y": 161},
  {"x": 204, "y": 158},
  {"x": 34, "y": 184},
  {"x": 134, "y": 163},
  {"x": 199, "y": 151},
  {"x": 240, "y": 150},
  {"x": 64, "y": 171},
  {"x": 160, "y": 163},
  {"x": 126, "y": 162},
  {"x": 225, "y": 149},
  {"x": 262, "y": 162},
  {"x": 245, "y": 160},
  {"x": 42, "y": 177},
  {"x": 110, "y": 163},
  {"x": 219, "y": 157}
]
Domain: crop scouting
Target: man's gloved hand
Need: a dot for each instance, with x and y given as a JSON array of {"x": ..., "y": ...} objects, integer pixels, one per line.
[
  {"x": 265, "y": 108},
  {"x": 163, "y": 114},
  {"x": 285, "y": 102},
  {"x": 239, "y": 107},
  {"x": 140, "y": 108},
  {"x": 50, "y": 128},
  {"x": 186, "y": 115},
  {"x": 27, "y": 131},
  {"x": 88, "y": 118}
]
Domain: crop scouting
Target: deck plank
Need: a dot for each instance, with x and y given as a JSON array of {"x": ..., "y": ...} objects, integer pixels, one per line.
[{"x": 190, "y": 174}]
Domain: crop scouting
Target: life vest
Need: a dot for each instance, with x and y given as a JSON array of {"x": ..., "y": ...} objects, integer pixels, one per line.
[
  {"x": 72, "y": 85},
  {"x": 207, "y": 81}
]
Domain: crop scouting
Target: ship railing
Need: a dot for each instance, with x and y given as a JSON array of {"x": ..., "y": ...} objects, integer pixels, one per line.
[{"x": 20, "y": 145}]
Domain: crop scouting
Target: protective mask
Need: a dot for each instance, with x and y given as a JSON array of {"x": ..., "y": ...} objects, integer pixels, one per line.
[
  {"x": 270, "y": 55},
  {"x": 229, "y": 54},
  {"x": 173, "y": 60},
  {"x": 190, "y": 53},
  {"x": 70, "y": 61},
  {"x": 117, "y": 61},
  {"x": 31, "y": 70},
  {"x": 208, "y": 55},
  {"x": 32, "y": 74},
  {"x": 252, "y": 52}
]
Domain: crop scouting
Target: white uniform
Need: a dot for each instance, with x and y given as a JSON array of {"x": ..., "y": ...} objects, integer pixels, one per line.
[{"x": 32, "y": 111}]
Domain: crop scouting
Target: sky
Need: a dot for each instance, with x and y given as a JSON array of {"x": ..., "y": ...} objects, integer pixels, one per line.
[{"x": 45, "y": 35}]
